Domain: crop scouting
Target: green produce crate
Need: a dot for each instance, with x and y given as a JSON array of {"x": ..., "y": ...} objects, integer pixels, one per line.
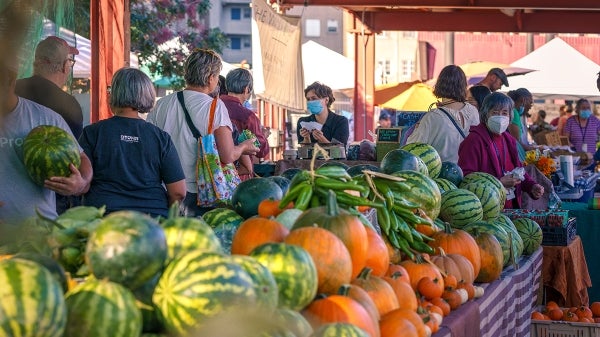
[{"x": 564, "y": 329}]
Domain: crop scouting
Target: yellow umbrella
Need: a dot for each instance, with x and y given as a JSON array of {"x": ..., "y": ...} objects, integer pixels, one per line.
[{"x": 416, "y": 96}]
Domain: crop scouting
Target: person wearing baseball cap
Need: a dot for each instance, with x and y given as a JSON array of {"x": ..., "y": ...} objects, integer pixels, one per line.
[
  {"x": 493, "y": 81},
  {"x": 52, "y": 66}
]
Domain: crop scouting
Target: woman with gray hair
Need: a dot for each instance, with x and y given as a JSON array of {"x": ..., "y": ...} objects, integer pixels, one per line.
[
  {"x": 201, "y": 76},
  {"x": 491, "y": 149},
  {"x": 136, "y": 166}
]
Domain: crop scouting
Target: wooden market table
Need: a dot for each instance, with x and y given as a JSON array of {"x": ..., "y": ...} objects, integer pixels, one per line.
[
  {"x": 565, "y": 274},
  {"x": 505, "y": 308}
]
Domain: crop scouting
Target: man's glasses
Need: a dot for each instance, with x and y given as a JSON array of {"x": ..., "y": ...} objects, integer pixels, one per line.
[{"x": 72, "y": 60}]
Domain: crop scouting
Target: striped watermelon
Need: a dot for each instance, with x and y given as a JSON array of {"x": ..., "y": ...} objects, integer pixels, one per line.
[
  {"x": 489, "y": 197},
  {"x": 498, "y": 231},
  {"x": 460, "y": 207},
  {"x": 126, "y": 247},
  {"x": 47, "y": 152},
  {"x": 488, "y": 178},
  {"x": 187, "y": 234},
  {"x": 98, "y": 308},
  {"x": 444, "y": 185},
  {"x": 423, "y": 191},
  {"x": 509, "y": 227},
  {"x": 199, "y": 285},
  {"x": 224, "y": 222},
  {"x": 339, "y": 330},
  {"x": 531, "y": 234},
  {"x": 451, "y": 171},
  {"x": 294, "y": 272},
  {"x": 32, "y": 302},
  {"x": 428, "y": 154},
  {"x": 264, "y": 282},
  {"x": 143, "y": 294},
  {"x": 400, "y": 160}
]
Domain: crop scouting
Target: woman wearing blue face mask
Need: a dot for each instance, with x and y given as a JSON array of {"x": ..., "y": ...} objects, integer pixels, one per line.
[
  {"x": 319, "y": 99},
  {"x": 582, "y": 129},
  {"x": 489, "y": 148}
]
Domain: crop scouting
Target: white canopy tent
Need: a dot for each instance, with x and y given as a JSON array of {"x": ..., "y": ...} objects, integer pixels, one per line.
[
  {"x": 326, "y": 66},
  {"x": 563, "y": 73}
]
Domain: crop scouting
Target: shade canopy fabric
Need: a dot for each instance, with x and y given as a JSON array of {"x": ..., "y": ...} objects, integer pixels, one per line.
[
  {"x": 477, "y": 70},
  {"x": 407, "y": 96},
  {"x": 564, "y": 73},
  {"x": 326, "y": 66}
]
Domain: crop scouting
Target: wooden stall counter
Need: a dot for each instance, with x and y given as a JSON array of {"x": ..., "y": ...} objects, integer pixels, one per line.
[{"x": 565, "y": 274}]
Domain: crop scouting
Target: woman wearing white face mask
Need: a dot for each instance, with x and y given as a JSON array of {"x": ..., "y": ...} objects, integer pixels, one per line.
[
  {"x": 582, "y": 129},
  {"x": 319, "y": 99},
  {"x": 491, "y": 149}
]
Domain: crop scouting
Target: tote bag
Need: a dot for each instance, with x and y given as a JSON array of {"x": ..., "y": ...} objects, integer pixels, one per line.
[{"x": 216, "y": 181}]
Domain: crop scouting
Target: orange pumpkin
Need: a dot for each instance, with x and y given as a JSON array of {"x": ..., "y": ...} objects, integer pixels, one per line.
[
  {"x": 256, "y": 231},
  {"x": 377, "y": 253},
  {"x": 346, "y": 226},
  {"x": 270, "y": 208},
  {"x": 360, "y": 295},
  {"x": 492, "y": 258},
  {"x": 420, "y": 268},
  {"x": 407, "y": 299},
  {"x": 331, "y": 257},
  {"x": 411, "y": 316},
  {"x": 394, "y": 253},
  {"x": 399, "y": 272},
  {"x": 378, "y": 289},
  {"x": 430, "y": 288},
  {"x": 342, "y": 309},
  {"x": 397, "y": 327},
  {"x": 454, "y": 264},
  {"x": 457, "y": 241}
]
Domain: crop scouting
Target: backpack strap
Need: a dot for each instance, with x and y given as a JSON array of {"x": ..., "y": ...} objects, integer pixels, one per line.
[{"x": 462, "y": 133}]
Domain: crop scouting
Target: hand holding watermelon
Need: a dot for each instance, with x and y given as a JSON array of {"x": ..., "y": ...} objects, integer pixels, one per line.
[{"x": 75, "y": 184}]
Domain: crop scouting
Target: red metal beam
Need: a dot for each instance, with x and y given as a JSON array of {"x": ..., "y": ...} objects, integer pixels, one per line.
[
  {"x": 484, "y": 21},
  {"x": 529, "y": 4}
]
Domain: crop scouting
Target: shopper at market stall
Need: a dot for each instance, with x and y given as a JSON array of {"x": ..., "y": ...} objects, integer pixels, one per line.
[
  {"x": 492, "y": 82},
  {"x": 21, "y": 196},
  {"x": 132, "y": 159},
  {"x": 202, "y": 70},
  {"x": 523, "y": 101},
  {"x": 52, "y": 67},
  {"x": 239, "y": 84},
  {"x": 319, "y": 99},
  {"x": 489, "y": 148},
  {"x": 583, "y": 128},
  {"x": 446, "y": 126}
]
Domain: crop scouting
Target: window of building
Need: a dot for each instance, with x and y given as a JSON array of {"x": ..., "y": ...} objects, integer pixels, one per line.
[
  {"x": 247, "y": 12},
  {"x": 332, "y": 26},
  {"x": 247, "y": 42},
  {"x": 408, "y": 68},
  {"x": 388, "y": 66},
  {"x": 409, "y": 34},
  {"x": 313, "y": 28},
  {"x": 236, "y": 43},
  {"x": 236, "y": 14}
]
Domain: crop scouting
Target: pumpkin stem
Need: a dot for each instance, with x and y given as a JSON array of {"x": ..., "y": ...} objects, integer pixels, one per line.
[
  {"x": 448, "y": 228},
  {"x": 344, "y": 290},
  {"x": 332, "y": 206},
  {"x": 365, "y": 273}
]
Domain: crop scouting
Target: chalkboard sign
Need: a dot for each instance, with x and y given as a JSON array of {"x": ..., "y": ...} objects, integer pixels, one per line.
[
  {"x": 408, "y": 118},
  {"x": 391, "y": 135}
]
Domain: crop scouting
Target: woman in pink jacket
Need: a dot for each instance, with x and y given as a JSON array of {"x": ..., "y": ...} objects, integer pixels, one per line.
[{"x": 489, "y": 148}]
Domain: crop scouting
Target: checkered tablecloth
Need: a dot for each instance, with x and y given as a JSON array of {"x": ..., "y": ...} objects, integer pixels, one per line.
[{"x": 505, "y": 308}]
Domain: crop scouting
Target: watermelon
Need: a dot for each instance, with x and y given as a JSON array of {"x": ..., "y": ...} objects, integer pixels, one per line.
[
  {"x": 294, "y": 321},
  {"x": 335, "y": 163},
  {"x": 127, "y": 247},
  {"x": 225, "y": 223},
  {"x": 47, "y": 152},
  {"x": 400, "y": 160},
  {"x": 49, "y": 263},
  {"x": 488, "y": 178},
  {"x": 99, "y": 308},
  {"x": 357, "y": 170},
  {"x": 284, "y": 183},
  {"x": 294, "y": 272},
  {"x": 489, "y": 197},
  {"x": 290, "y": 173},
  {"x": 452, "y": 172},
  {"x": 143, "y": 294},
  {"x": 264, "y": 282},
  {"x": 423, "y": 191},
  {"x": 339, "y": 330},
  {"x": 444, "y": 185},
  {"x": 248, "y": 194},
  {"x": 506, "y": 223},
  {"x": 460, "y": 207},
  {"x": 496, "y": 230},
  {"x": 186, "y": 234},
  {"x": 531, "y": 234},
  {"x": 32, "y": 302},
  {"x": 199, "y": 285},
  {"x": 288, "y": 217},
  {"x": 428, "y": 154}
]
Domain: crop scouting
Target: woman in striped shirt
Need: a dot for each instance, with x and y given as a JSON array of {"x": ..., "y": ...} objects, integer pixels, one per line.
[{"x": 582, "y": 129}]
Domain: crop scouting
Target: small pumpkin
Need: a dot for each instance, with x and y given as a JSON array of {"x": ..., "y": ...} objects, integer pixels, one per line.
[
  {"x": 407, "y": 298},
  {"x": 397, "y": 271},
  {"x": 346, "y": 226},
  {"x": 492, "y": 259},
  {"x": 377, "y": 254},
  {"x": 421, "y": 268},
  {"x": 360, "y": 295},
  {"x": 454, "y": 264},
  {"x": 378, "y": 289},
  {"x": 270, "y": 208},
  {"x": 339, "y": 309},
  {"x": 457, "y": 241},
  {"x": 410, "y": 315},
  {"x": 255, "y": 231},
  {"x": 393, "y": 327}
]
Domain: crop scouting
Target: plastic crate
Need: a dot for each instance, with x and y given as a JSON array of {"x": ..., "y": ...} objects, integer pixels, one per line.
[
  {"x": 559, "y": 236},
  {"x": 563, "y": 329}
]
